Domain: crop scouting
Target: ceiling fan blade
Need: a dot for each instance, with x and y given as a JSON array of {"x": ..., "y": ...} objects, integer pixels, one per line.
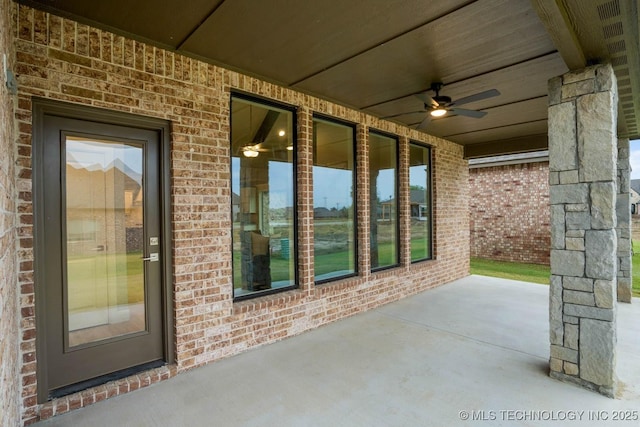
[
  {"x": 423, "y": 124},
  {"x": 427, "y": 100},
  {"x": 477, "y": 97},
  {"x": 469, "y": 113},
  {"x": 402, "y": 114}
]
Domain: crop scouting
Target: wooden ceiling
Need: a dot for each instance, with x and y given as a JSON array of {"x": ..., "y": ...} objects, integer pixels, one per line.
[{"x": 376, "y": 55}]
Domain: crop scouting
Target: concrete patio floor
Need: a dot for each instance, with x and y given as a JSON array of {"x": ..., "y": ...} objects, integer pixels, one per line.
[{"x": 478, "y": 347}]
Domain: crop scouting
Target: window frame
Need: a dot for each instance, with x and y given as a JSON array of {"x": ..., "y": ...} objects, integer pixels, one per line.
[
  {"x": 354, "y": 183},
  {"x": 430, "y": 198},
  {"x": 397, "y": 200},
  {"x": 243, "y": 96}
]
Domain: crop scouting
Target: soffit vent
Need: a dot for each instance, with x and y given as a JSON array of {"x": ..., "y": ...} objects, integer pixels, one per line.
[
  {"x": 624, "y": 82},
  {"x": 620, "y": 31},
  {"x": 612, "y": 30},
  {"x": 609, "y": 10},
  {"x": 622, "y": 72},
  {"x": 620, "y": 60},
  {"x": 615, "y": 47}
]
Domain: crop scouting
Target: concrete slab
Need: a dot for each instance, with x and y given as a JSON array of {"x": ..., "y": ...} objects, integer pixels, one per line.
[{"x": 477, "y": 347}]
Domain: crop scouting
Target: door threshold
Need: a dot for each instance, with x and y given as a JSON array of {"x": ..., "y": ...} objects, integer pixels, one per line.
[{"x": 103, "y": 379}]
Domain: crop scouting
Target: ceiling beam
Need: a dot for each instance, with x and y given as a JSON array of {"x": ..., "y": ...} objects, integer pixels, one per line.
[
  {"x": 507, "y": 146},
  {"x": 554, "y": 17}
]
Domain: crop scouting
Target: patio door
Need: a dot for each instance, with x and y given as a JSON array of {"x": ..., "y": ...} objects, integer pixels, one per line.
[{"x": 102, "y": 263}]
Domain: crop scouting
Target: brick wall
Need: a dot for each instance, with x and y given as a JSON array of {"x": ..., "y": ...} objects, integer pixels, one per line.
[
  {"x": 509, "y": 208},
  {"x": 62, "y": 60},
  {"x": 9, "y": 326}
]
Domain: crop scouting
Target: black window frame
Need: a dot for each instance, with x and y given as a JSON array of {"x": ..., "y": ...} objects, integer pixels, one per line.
[
  {"x": 397, "y": 201},
  {"x": 234, "y": 94},
  {"x": 430, "y": 199},
  {"x": 354, "y": 198}
]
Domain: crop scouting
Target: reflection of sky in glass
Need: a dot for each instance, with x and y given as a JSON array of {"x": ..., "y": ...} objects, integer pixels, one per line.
[
  {"x": 280, "y": 185},
  {"x": 331, "y": 187},
  {"x": 418, "y": 175},
  {"x": 235, "y": 175},
  {"x": 386, "y": 183},
  {"x": 102, "y": 155}
]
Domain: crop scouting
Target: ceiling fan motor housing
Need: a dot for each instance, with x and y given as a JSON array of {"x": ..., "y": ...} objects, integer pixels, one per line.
[{"x": 441, "y": 99}]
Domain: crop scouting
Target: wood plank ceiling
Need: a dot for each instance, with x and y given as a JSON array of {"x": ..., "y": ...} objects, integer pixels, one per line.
[{"x": 376, "y": 55}]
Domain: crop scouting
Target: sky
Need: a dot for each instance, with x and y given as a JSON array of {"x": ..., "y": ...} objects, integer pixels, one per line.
[
  {"x": 332, "y": 187},
  {"x": 634, "y": 157}
]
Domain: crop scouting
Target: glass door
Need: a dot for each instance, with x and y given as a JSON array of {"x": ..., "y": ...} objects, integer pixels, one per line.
[
  {"x": 105, "y": 291},
  {"x": 103, "y": 273}
]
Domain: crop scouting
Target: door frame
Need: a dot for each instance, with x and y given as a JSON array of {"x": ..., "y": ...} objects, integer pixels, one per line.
[{"x": 45, "y": 107}]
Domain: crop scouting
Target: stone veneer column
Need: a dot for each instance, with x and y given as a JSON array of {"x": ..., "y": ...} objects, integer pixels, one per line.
[
  {"x": 623, "y": 209},
  {"x": 582, "y": 177}
]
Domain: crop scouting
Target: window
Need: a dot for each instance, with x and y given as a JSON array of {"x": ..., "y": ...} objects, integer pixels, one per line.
[
  {"x": 334, "y": 231},
  {"x": 263, "y": 197},
  {"x": 420, "y": 199},
  {"x": 383, "y": 167}
]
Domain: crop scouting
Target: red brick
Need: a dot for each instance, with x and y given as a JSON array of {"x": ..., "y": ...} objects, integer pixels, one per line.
[
  {"x": 509, "y": 209},
  {"x": 99, "y": 69}
]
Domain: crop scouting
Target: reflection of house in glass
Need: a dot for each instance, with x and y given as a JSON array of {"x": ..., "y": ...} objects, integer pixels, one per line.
[
  {"x": 323, "y": 213},
  {"x": 235, "y": 206},
  {"x": 98, "y": 200},
  {"x": 419, "y": 206}
]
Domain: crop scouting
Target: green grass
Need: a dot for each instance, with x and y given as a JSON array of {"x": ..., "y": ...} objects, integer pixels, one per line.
[
  {"x": 511, "y": 270},
  {"x": 539, "y": 273},
  {"x": 419, "y": 249},
  {"x": 328, "y": 263},
  {"x": 635, "y": 267},
  {"x": 88, "y": 277}
]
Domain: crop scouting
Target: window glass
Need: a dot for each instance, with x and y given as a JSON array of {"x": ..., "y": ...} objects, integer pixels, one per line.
[
  {"x": 334, "y": 231},
  {"x": 383, "y": 154},
  {"x": 263, "y": 202},
  {"x": 420, "y": 199}
]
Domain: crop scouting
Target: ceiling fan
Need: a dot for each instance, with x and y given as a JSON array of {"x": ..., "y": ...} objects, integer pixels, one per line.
[
  {"x": 439, "y": 105},
  {"x": 253, "y": 150}
]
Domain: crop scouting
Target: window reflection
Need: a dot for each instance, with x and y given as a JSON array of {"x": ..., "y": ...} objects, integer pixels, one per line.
[
  {"x": 420, "y": 199},
  {"x": 105, "y": 295},
  {"x": 383, "y": 153},
  {"x": 263, "y": 203},
  {"x": 333, "y": 200}
]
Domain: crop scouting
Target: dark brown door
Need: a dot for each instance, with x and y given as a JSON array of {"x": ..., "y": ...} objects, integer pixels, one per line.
[{"x": 102, "y": 245}]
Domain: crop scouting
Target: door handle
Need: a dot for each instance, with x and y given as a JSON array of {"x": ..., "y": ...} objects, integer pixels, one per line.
[{"x": 153, "y": 257}]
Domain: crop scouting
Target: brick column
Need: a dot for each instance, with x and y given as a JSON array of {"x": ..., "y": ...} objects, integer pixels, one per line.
[
  {"x": 623, "y": 209},
  {"x": 404, "y": 197},
  {"x": 363, "y": 205},
  {"x": 304, "y": 188},
  {"x": 583, "y": 187}
]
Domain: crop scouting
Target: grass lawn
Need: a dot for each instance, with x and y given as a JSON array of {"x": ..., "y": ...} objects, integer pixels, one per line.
[
  {"x": 539, "y": 273},
  {"x": 511, "y": 270},
  {"x": 635, "y": 267},
  {"x": 98, "y": 281}
]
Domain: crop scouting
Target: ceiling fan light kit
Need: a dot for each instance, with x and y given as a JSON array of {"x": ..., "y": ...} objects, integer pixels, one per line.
[
  {"x": 440, "y": 105},
  {"x": 250, "y": 152}
]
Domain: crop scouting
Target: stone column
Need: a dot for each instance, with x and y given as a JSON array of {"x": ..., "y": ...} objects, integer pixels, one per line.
[
  {"x": 584, "y": 263},
  {"x": 623, "y": 209}
]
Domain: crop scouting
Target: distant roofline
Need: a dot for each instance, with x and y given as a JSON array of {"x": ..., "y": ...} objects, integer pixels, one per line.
[
  {"x": 509, "y": 159},
  {"x": 635, "y": 185}
]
